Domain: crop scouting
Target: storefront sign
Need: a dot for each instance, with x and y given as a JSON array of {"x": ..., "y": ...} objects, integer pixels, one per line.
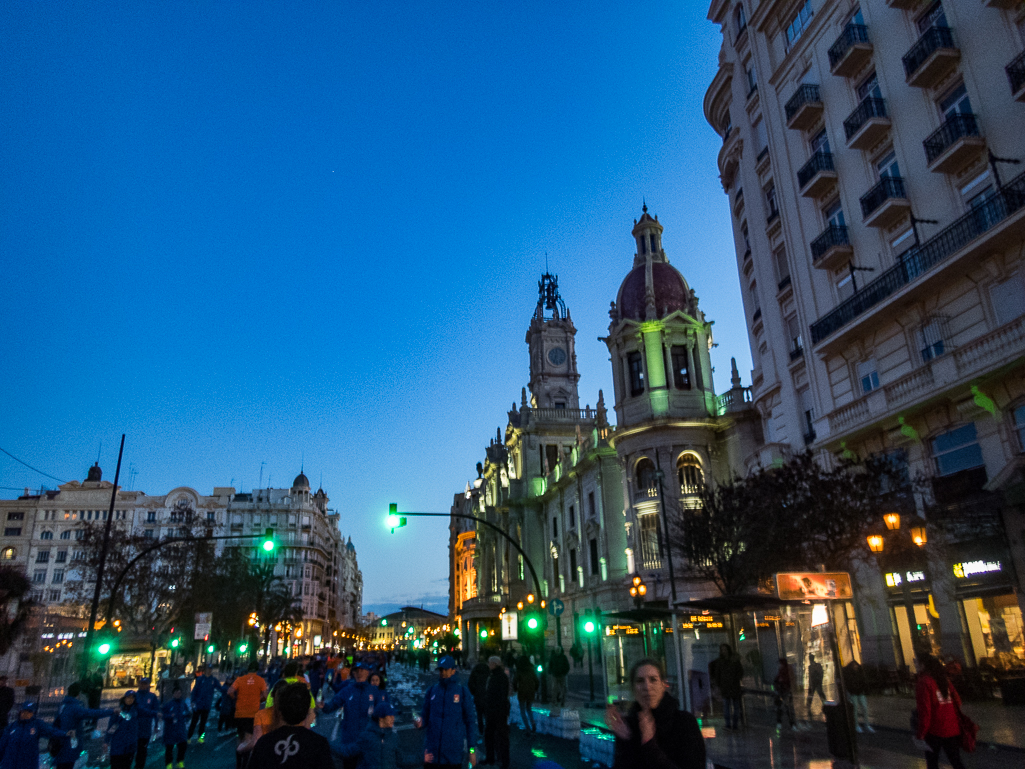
[
  {"x": 803, "y": 586},
  {"x": 622, "y": 629},
  {"x": 509, "y": 626},
  {"x": 893, "y": 578},
  {"x": 968, "y": 569}
]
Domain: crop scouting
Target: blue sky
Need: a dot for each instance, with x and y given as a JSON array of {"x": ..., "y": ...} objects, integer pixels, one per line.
[{"x": 285, "y": 232}]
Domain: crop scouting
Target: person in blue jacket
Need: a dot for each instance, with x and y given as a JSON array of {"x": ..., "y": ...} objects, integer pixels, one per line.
[
  {"x": 202, "y": 700},
  {"x": 19, "y": 745},
  {"x": 225, "y": 709},
  {"x": 176, "y": 733},
  {"x": 450, "y": 719},
  {"x": 70, "y": 714},
  {"x": 123, "y": 733},
  {"x": 149, "y": 709},
  {"x": 378, "y": 746},
  {"x": 358, "y": 700}
]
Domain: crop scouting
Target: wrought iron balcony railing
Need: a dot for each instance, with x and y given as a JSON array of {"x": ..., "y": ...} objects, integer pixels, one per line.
[
  {"x": 954, "y": 127},
  {"x": 806, "y": 94},
  {"x": 833, "y": 235},
  {"x": 852, "y": 33},
  {"x": 889, "y": 187},
  {"x": 820, "y": 161},
  {"x": 870, "y": 107},
  {"x": 932, "y": 40},
  {"x": 1016, "y": 73}
]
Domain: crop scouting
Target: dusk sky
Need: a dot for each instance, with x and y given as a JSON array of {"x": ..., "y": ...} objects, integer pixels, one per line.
[{"x": 312, "y": 232}]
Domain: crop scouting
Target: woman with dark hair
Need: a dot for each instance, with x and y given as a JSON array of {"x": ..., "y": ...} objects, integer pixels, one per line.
[
  {"x": 654, "y": 732},
  {"x": 939, "y": 705}
]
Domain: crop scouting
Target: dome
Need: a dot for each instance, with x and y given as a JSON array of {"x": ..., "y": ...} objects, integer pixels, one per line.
[
  {"x": 301, "y": 482},
  {"x": 670, "y": 291}
]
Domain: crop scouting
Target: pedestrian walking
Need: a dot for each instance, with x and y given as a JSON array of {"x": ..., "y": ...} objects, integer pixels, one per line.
[
  {"x": 93, "y": 688},
  {"x": 378, "y": 746},
  {"x": 784, "y": 688},
  {"x": 202, "y": 697},
  {"x": 6, "y": 701},
  {"x": 123, "y": 732},
  {"x": 176, "y": 735},
  {"x": 478, "y": 685},
  {"x": 526, "y": 688},
  {"x": 70, "y": 715},
  {"x": 450, "y": 720},
  {"x": 940, "y": 722},
  {"x": 225, "y": 709},
  {"x": 496, "y": 715},
  {"x": 856, "y": 684},
  {"x": 728, "y": 675},
  {"x": 247, "y": 691},
  {"x": 358, "y": 700},
  {"x": 292, "y": 746},
  {"x": 558, "y": 667},
  {"x": 149, "y": 710},
  {"x": 19, "y": 745},
  {"x": 654, "y": 732},
  {"x": 815, "y": 676}
]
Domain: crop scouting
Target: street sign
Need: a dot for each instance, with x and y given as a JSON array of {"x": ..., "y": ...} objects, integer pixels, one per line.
[
  {"x": 509, "y": 626},
  {"x": 204, "y": 622},
  {"x": 556, "y": 608},
  {"x": 812, "y": 585}
]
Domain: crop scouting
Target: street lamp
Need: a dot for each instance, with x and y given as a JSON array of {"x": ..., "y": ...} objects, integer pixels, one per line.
[
  {"x": 638, "y": 590},
  {"x": 901, "y": 548}
]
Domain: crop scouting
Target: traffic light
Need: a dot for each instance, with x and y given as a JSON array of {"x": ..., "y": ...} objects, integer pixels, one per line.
[
  {"x": 268, "y": 541},
  {"x": 104, "y": 649},
  {"x": 210, "y": 649},
  {"x": 483, "y": 634},
  {"x": 589, "y": 627},
  {"x": 394, "y": 520},
  {"x": 384, "y": 622},
  {"x": 243, "y": 648},
  {"x": 175, "y": 643}
]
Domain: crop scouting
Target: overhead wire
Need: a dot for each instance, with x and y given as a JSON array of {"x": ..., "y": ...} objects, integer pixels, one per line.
[{"x": 30, "y": 467}]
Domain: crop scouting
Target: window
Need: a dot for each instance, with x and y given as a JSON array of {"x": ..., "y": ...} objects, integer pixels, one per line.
[
  {"x": 690, "y": 475},
  {"x": 902, "y": 242},
  {"x": 868, "y": 375},
  {"x": 794, "y": 332},
  {"x": 820, "y": 142},
  {"x": 869, "y": 88},
  {"x": 740, "y": 19},
  {"x": 79, "y": 534},
  {"x": 698, "y": 381},
  {"x": 681, "y": 367},
  {"x": 752, "y": 81},
  {"x": 833, "y": 215},
  {"x": 747, "y": 240},
  {"x": 645, "y": 476},
  {"x": 8, "y": 554},
  {"x": 39, "y": 576},
  {"x": 957, "y": 450},
  {"x": 727, "y": 127},
  {"x": 888, "y": 167},
  {"x": 779, "y": 259},
  {"x": 151, "y": 516},
  {"x": 956, "y": 102},
  {"x": 931, "y": 337},
  {"x": 592, "y": 508},
  {"x": 573, "y": 563},
  {"x": 595, "y": 563},
  {"x": 555, "y": 528},
  {"x": 148, "y": 533},
  {"x": 807, "y": 413},
  {"x": 53, "y": 596},
  {"x": 932, "y": 17},
  {"x": 43, "y": 556},
  {"x": 798, "y": 24},
  {"x": 16, "y": 516},
  {"x": 761, "y": 139},
  {"x": 572, "y": 517},
  {"x": 1008, "y": 299},
  {"x": 770, "y": 201},
  {"x": 66, "y": 534},
  {"x": 46, "y": 535},
  {"x": 755, "y": 303},
  {"x": 647, "y": 526},
  {"x": 211, "y": 516},
  {"x": 62, "y": 556},
  {"x": 12, "y": 531},
  {"x": 1019, "y": 428},
  {"x": 636, "y": 372},
  {"x": 78, "y": 555},
  {"x": 58, "y": 576}
]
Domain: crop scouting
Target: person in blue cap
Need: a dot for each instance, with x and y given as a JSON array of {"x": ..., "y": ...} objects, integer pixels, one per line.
[
  {"x": 149, "y": 709},
  {"x": 202, "y": 700},
  {"x": 123, "y": 731},
  {"x": 176, "y": 730},
  {"x": 70, "y": 715},
  {"x": 357, "y": 700},
  {"x": 19, "y": 745},
  {"x": 378, "y": 746},
  {"x": 450, "y": 719}
]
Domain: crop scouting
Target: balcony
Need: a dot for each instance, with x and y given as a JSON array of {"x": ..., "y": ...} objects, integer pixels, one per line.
[
  {"x": 851, "y": 51},
  {"x": 949, "y": 241},
  {"x": 804, "y": 108},
  {"x": 904, "y": 5},
  {"x": 979, "y": 357},
  {"x": 1016, "y": 74},
  {"x": 867, "y": 125},
  {"x": 931, "y": 57},
  {"x": 797, "y": 352},
  {"x": 955, "y": 143},
  {"x": 885, "y": 203},
  {"x": 817, "y": 175},
  {"x": 832, "y": 248}
]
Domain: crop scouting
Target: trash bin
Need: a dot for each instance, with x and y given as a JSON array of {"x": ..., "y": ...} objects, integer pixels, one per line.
[{"x": 839, "y": 735}]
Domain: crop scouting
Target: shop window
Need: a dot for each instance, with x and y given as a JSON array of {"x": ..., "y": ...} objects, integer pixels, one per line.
[
  {"x": 957, "y": 450},
  {"x": 995, "y": 628},
  {"x": 636, "y": 373},
  {"x": 8, "y": 554},
  {"x": 681, "y": 367}
]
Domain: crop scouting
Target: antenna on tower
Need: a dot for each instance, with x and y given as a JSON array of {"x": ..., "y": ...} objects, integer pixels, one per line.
[{"x": 546, "y": 261}]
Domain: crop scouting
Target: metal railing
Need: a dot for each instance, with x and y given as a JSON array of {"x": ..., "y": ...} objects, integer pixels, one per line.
[
  {"x": 954, "y": 127},
  {"x": 917, "y": 260},
  {"x": 932, "y": 40},
  {"x": 806, "y": 94},
  {"x": 889, "y": 188},
  {"x": 1016, "y": 73},
  {"x": 574, "y": 415},
  {"x": 833, "y": 235},
  {"x": 820, "y": 161},
  {"x": 852, "y": 33},
  {"x": 870, "y": 107},
  {"x": 796, "y": 353}
]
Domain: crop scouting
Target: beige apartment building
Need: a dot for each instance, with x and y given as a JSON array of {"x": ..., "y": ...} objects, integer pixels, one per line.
[{"x": 871, "y": 161}]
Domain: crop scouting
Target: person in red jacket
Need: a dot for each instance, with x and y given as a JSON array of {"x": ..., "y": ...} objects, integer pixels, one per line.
[{"x": 938, "y": 706}]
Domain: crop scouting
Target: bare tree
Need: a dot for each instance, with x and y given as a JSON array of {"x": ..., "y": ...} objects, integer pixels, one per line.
[{"x": 15, "y": 608}]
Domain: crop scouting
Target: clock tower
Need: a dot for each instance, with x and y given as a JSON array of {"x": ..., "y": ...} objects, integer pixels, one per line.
[{"x": 553, "y": 359}]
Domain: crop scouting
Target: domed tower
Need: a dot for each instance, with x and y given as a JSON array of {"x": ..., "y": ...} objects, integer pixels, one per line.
[
  {"x": 553, "y": 359},
  {"x": 658, "y": 338}
]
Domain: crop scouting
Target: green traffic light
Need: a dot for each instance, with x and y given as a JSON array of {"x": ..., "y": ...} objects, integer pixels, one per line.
[
  {"x": 384, "y": 623},
  {"x": 174, "y": 643},
  {"x": 540, "y": 669},
  {"x": 104, "y": 649},
  {"x": 242, "y": 648},
  {"x": 268, "y": 541},
  {"x": 210, "y": 649},
  {"x": 393, "y": 522},
  {"x": 532, "y": 623},
  {"x": 589, "y": 627},
  {"x": 483, "y": 633}
]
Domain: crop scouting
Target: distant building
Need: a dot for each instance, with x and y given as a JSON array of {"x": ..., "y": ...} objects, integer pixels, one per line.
[{"x": 411, "y": 627}]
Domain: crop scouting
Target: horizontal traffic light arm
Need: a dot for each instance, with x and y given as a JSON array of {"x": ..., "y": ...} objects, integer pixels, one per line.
[{"x": 393, "y": 511}]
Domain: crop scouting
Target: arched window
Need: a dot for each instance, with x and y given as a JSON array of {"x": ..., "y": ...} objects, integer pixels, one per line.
[
  {"x": 66, "y": 534},
  {"x": 8, "y": 554},
  {"x": 46, "y": 535},
  {"x": 645, "y": 476},
  {"x": 690, "y": 474}
]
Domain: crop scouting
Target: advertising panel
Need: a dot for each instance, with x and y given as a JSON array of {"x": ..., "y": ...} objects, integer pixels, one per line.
[{"x": 814, "y": 585}]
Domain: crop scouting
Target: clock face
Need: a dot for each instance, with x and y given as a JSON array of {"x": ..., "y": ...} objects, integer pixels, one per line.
[{"x": 557, "y": 356}]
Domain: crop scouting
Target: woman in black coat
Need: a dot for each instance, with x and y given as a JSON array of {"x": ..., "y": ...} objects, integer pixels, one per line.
[{"x": 655, "y": 733}]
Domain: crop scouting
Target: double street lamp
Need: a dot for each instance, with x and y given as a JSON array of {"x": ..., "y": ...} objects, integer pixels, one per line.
[{"x": 902, "y": 550}]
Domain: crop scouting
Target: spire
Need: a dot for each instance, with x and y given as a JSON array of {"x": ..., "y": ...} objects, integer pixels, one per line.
[{"x": 735, "y": 379}]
